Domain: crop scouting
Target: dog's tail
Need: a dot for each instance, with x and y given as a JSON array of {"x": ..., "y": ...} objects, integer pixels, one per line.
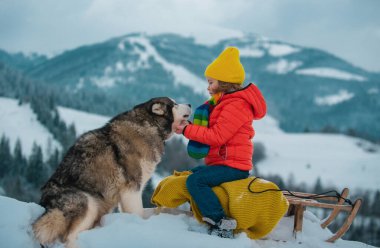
[{"x": 50, "y": 226}]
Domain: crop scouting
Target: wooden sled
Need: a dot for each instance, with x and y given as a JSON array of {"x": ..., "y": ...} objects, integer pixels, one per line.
[{"x": 298, "y": 206}]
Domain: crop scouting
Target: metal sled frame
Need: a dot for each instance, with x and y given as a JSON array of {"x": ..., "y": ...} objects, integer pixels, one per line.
[{"x": 298, "y": 206}]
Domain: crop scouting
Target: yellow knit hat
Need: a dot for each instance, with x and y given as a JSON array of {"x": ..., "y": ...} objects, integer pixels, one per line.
[{"x": 227, "y": 67}]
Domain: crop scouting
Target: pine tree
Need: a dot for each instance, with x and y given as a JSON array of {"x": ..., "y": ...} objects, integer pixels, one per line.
[
  {"x": 54, "y": 160},
  {"x": 376, "y": 203},
  {"x": 365, "y": 208},
  {"x": 176, "y": 158},
  {"x": 19, "y": 161},
  {"x": 147, "y": 195},
  {"x": 291, "y": 184},
  {"x": 318, "y": 186},
  {"x": 71, "y": 135},
  {"x": 36, "y": 172},
  {"x": 258, "y": 155},
  {"x": 5, "y": 156}
]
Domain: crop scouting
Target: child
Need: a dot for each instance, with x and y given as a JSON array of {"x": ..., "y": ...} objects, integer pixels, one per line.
[{"x": 227, "y": 137}]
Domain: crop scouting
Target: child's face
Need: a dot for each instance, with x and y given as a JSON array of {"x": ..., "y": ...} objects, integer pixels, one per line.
[{"x": 213, "y": 85}]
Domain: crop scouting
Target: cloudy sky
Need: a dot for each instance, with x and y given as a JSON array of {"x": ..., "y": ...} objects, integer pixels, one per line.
[{"x": 349, "y": 29}]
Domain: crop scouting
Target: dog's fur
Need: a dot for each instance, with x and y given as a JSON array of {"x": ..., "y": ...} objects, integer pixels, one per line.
[{"x": 106, "y": 167}]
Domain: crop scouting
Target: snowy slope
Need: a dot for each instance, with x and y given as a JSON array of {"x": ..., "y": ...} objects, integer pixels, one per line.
[
  {"x": 333, "y": 157},
  {"x": 166, "y": 231},
  {"x": 337, "y": 159},
  {"x": 83, "y": 121},
  {"x": 181, "y": 74},
  {"x": 21, "y": 122}
]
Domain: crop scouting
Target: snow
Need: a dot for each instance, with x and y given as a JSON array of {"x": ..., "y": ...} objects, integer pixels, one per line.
[
  {"x": 263, "y": 45},
  {"x": 15, "y": 223},
  {"x": 341, "y": 96},
  {"x": 372, "y": 91},
  {"x": 181, "y": 74},
  {"x": 251, "y": 52},
  {"x": 337, "y": 159},
  {"x": 331, "y": 73},
  {"x": 104, "y": 81},
  {"x": 278, "y": 50},
  {"x": 21, "y": 122},
  {"x": 82, "y": 121},
  {"x": 163, "y": 230},
  {"x": 283, "y": 66},
  {"x": 119, "y": 66},
  {"x": 79, "y": 85}
]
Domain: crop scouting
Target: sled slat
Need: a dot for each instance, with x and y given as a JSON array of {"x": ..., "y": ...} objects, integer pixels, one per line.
[
  {"x": 347, "y": 223},
  {"x": 320, "y": 204},
  {"x": 336, "y": 211}
]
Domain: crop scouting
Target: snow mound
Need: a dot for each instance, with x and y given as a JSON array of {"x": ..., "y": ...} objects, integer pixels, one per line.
[{"x": 164, "y": 230}]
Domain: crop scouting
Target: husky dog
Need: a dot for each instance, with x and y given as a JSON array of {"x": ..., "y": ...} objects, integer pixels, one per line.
[{"x": 105, "y": 168}]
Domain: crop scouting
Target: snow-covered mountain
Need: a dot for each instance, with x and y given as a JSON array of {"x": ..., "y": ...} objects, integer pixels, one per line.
[
  {"x": 164, "y": 230},
  {"x": 338, "y": 160},
  {"x": 307, "y": 91},
  {"x": 306, "y": 88}
]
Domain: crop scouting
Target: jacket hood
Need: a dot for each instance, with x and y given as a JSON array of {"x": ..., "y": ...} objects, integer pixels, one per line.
[{"x": 253, "y": 96}]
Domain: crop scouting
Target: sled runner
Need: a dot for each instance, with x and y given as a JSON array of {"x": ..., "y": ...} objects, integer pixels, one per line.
[{"x": 299, "y": 201}]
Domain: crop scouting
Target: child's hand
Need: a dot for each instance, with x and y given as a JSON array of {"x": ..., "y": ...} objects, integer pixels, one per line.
[{"x": 181, "y": 126}]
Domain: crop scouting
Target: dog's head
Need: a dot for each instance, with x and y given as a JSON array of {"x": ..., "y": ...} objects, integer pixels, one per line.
[{"x": 166, "y": 114}]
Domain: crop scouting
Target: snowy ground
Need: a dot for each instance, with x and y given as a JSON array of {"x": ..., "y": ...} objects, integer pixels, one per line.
[{"x": 164, "y": 230}]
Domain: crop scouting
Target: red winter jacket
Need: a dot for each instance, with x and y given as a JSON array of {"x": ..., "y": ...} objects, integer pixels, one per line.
[{"x": 230, "y": 128}]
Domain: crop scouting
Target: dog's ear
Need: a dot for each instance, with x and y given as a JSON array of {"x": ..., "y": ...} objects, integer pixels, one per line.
[{"x": 158, "y": 108}]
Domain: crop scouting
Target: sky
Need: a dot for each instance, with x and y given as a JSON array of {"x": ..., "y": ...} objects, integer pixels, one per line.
[{"x": 349, "y": 29}]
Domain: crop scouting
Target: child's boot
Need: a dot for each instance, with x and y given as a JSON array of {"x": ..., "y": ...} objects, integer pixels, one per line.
[{"x": 224, "y": 228}]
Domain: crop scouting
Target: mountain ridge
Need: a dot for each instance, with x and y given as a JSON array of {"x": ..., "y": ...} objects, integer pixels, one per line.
[{"x": 135, "y": 67}]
